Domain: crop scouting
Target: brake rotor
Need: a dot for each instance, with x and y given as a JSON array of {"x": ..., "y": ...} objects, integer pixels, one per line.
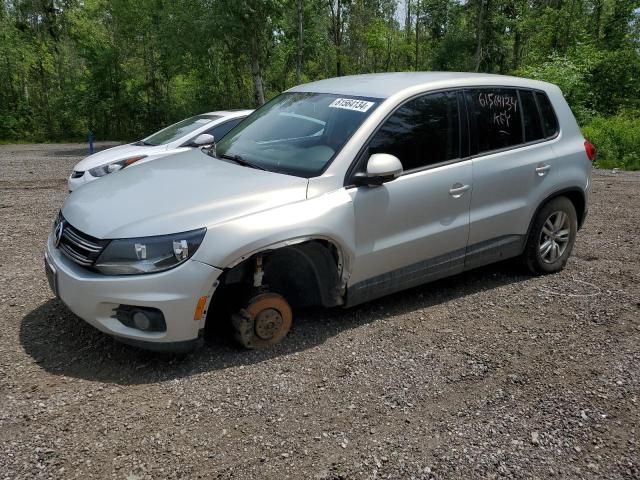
[{"x": 265, "y": 321}]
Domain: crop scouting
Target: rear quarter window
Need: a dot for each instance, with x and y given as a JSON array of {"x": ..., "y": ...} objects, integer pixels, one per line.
[{"x": 549, "y": 119}]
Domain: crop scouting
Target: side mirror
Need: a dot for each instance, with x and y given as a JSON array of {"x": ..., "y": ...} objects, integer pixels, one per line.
[
  {"x": 381, "y": 168},
  {"x": 202, "y": 140}
]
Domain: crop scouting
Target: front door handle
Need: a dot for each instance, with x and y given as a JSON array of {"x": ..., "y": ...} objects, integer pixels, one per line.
[
  {"x": 458, "y": 189},
  {"x": 542, "y": 169}
]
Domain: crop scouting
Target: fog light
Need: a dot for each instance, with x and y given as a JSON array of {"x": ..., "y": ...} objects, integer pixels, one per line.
[
  {"x": 141, "y": 321},
  {"x": 145, "y": 319}
]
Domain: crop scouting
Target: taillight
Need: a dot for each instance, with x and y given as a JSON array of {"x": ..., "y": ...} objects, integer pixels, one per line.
[{"x": 590, "y": 149}]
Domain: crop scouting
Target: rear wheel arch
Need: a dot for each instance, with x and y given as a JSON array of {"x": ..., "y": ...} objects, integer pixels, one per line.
[{"x": 575, "y": 195}]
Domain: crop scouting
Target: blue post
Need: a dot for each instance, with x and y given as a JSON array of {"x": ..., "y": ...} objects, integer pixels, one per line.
[{"x": 90, "y": 138}]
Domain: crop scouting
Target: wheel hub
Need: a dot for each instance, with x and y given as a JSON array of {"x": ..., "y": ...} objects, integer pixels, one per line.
[
  {"x": 265, "y": 321},
  {"x": 268, "y": 323}
]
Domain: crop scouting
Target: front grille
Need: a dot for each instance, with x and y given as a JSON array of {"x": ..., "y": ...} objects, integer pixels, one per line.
[
  {"x": 76, "y": 174},
  {"x": 80, "y": 247}
]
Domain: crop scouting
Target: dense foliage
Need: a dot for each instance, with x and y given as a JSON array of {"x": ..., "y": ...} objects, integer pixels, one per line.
[{"x": 125, "y": 68}]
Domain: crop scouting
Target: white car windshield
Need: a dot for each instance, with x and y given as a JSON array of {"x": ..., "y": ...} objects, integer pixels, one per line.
[
  {"x": 179, "y": 130},
  {"x": 296, "y": 133}
]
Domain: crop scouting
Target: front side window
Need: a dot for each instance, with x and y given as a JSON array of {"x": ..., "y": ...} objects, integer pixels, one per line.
[
  {"x": 297, "y": 133},
  {"x": 424, "y": 131},
  {"x": 496, "y": 115},
  {"x": 179, "y": 130}
]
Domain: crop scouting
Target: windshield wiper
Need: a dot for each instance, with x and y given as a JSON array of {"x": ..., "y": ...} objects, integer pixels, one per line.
[
  {"x": 142, "y": 143},
  {"x": 241, "y": 161}
]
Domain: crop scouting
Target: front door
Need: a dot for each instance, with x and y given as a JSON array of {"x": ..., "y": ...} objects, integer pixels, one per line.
[{"x": 414, "y": 229}]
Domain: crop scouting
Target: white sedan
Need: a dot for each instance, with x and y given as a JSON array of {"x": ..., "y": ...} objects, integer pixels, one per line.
[{"x": 192, "y": 132}]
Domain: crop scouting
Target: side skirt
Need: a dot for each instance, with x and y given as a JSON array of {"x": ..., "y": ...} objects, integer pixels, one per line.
[
  {"x": 406, "y": 277},
  {"x": 494, "y": 250},
  {"x": 426, "y": 271}
]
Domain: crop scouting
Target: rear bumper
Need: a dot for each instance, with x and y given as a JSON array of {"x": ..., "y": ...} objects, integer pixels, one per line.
[{"x": 94, "y": 297}]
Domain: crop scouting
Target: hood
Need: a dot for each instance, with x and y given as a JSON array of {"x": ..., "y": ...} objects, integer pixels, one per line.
[
  {"x": 116, "y": 153},
  {"x": 176, "y": 193}
]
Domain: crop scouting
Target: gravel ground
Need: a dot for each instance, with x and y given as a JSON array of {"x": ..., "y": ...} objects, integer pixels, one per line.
[{"x": 490, "y": 374}]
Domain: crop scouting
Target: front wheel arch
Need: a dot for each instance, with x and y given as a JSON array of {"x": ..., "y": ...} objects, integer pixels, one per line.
[{"x": 307, "y": 273}]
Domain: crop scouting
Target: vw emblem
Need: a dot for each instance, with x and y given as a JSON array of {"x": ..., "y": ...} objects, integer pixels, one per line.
[{"x": 57, "y": 233}]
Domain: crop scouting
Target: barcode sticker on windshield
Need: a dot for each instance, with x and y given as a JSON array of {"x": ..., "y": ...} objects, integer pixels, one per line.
[{"x": 351, "y": 104}]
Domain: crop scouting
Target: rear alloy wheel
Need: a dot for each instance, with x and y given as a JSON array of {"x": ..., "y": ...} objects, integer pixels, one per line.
[
  {"x": 264, "y": 322},
  {"x": 552, "y": 236}
]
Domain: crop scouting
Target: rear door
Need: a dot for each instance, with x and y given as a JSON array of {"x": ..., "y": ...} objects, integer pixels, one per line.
[
  {"x": 513, "y": 169},
  {"x": 414, "y": 229}
]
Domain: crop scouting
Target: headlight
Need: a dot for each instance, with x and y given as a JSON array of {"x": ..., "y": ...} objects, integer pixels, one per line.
[
  {"x": 133, "y": 256},
  {"x": 102, "y": 170}
]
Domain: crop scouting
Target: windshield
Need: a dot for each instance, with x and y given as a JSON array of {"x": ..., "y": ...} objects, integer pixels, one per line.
[
  {"x": 297, "y": 133},
  {"x": 179, "y": 130}
]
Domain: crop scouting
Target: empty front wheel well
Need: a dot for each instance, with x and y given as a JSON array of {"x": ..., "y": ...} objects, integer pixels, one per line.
[{"x": 305, "y": 274}]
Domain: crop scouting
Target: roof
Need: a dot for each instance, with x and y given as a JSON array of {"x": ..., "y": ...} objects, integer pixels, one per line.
[{"x": 384, "y": 85}]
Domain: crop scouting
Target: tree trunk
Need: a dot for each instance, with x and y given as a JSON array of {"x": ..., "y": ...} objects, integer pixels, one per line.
[
  {"x": 258, "y": 88},
  {"x": 517, "y": 50},
  {"x": 478, "y": 55},
  {"x": 299, "y": 4},
  {"x": 339, "y": 39},
  {"x": 417, "y": 36},
  {"x": 555, "y": 40},
  {"x": 407, "y": 22},
  {"x": 335, "y": 6},
  {"x": 597, "y": 14},
  {"x": 388, "y": 61}
]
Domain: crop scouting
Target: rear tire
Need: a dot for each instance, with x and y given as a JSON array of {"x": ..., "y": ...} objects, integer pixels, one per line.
[{"x": 552, "y": 237}]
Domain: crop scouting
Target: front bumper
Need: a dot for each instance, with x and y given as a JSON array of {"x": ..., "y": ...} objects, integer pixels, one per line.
[{"x": 93, "y": 297}]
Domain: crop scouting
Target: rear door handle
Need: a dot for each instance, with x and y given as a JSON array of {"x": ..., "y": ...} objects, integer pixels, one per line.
[
  {"x": 458, "y": 189},
  {"x": 542, "y": 170}
]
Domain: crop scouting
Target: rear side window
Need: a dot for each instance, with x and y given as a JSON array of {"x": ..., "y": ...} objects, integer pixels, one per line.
[
  {"x": 549, "y": 119},
  {"x": 496, "y": 115},
  {"x": 532, "y": 123},
  {"x": 422, "y": 132}
]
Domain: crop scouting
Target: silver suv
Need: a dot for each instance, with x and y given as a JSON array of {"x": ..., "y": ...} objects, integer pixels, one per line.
[{"x": 333, "y": 193}]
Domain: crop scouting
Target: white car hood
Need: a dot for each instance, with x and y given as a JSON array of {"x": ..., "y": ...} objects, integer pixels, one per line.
[
  {"x": 176, "y": 193},
  {"x": 116, "y": 153}
]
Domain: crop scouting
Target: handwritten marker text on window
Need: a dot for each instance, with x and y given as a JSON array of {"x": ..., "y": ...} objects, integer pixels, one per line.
[{"x": 502, "y": 106}]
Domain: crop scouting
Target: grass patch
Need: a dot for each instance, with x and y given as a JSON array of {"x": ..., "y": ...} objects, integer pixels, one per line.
[{"x": 617, "y": 139}]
